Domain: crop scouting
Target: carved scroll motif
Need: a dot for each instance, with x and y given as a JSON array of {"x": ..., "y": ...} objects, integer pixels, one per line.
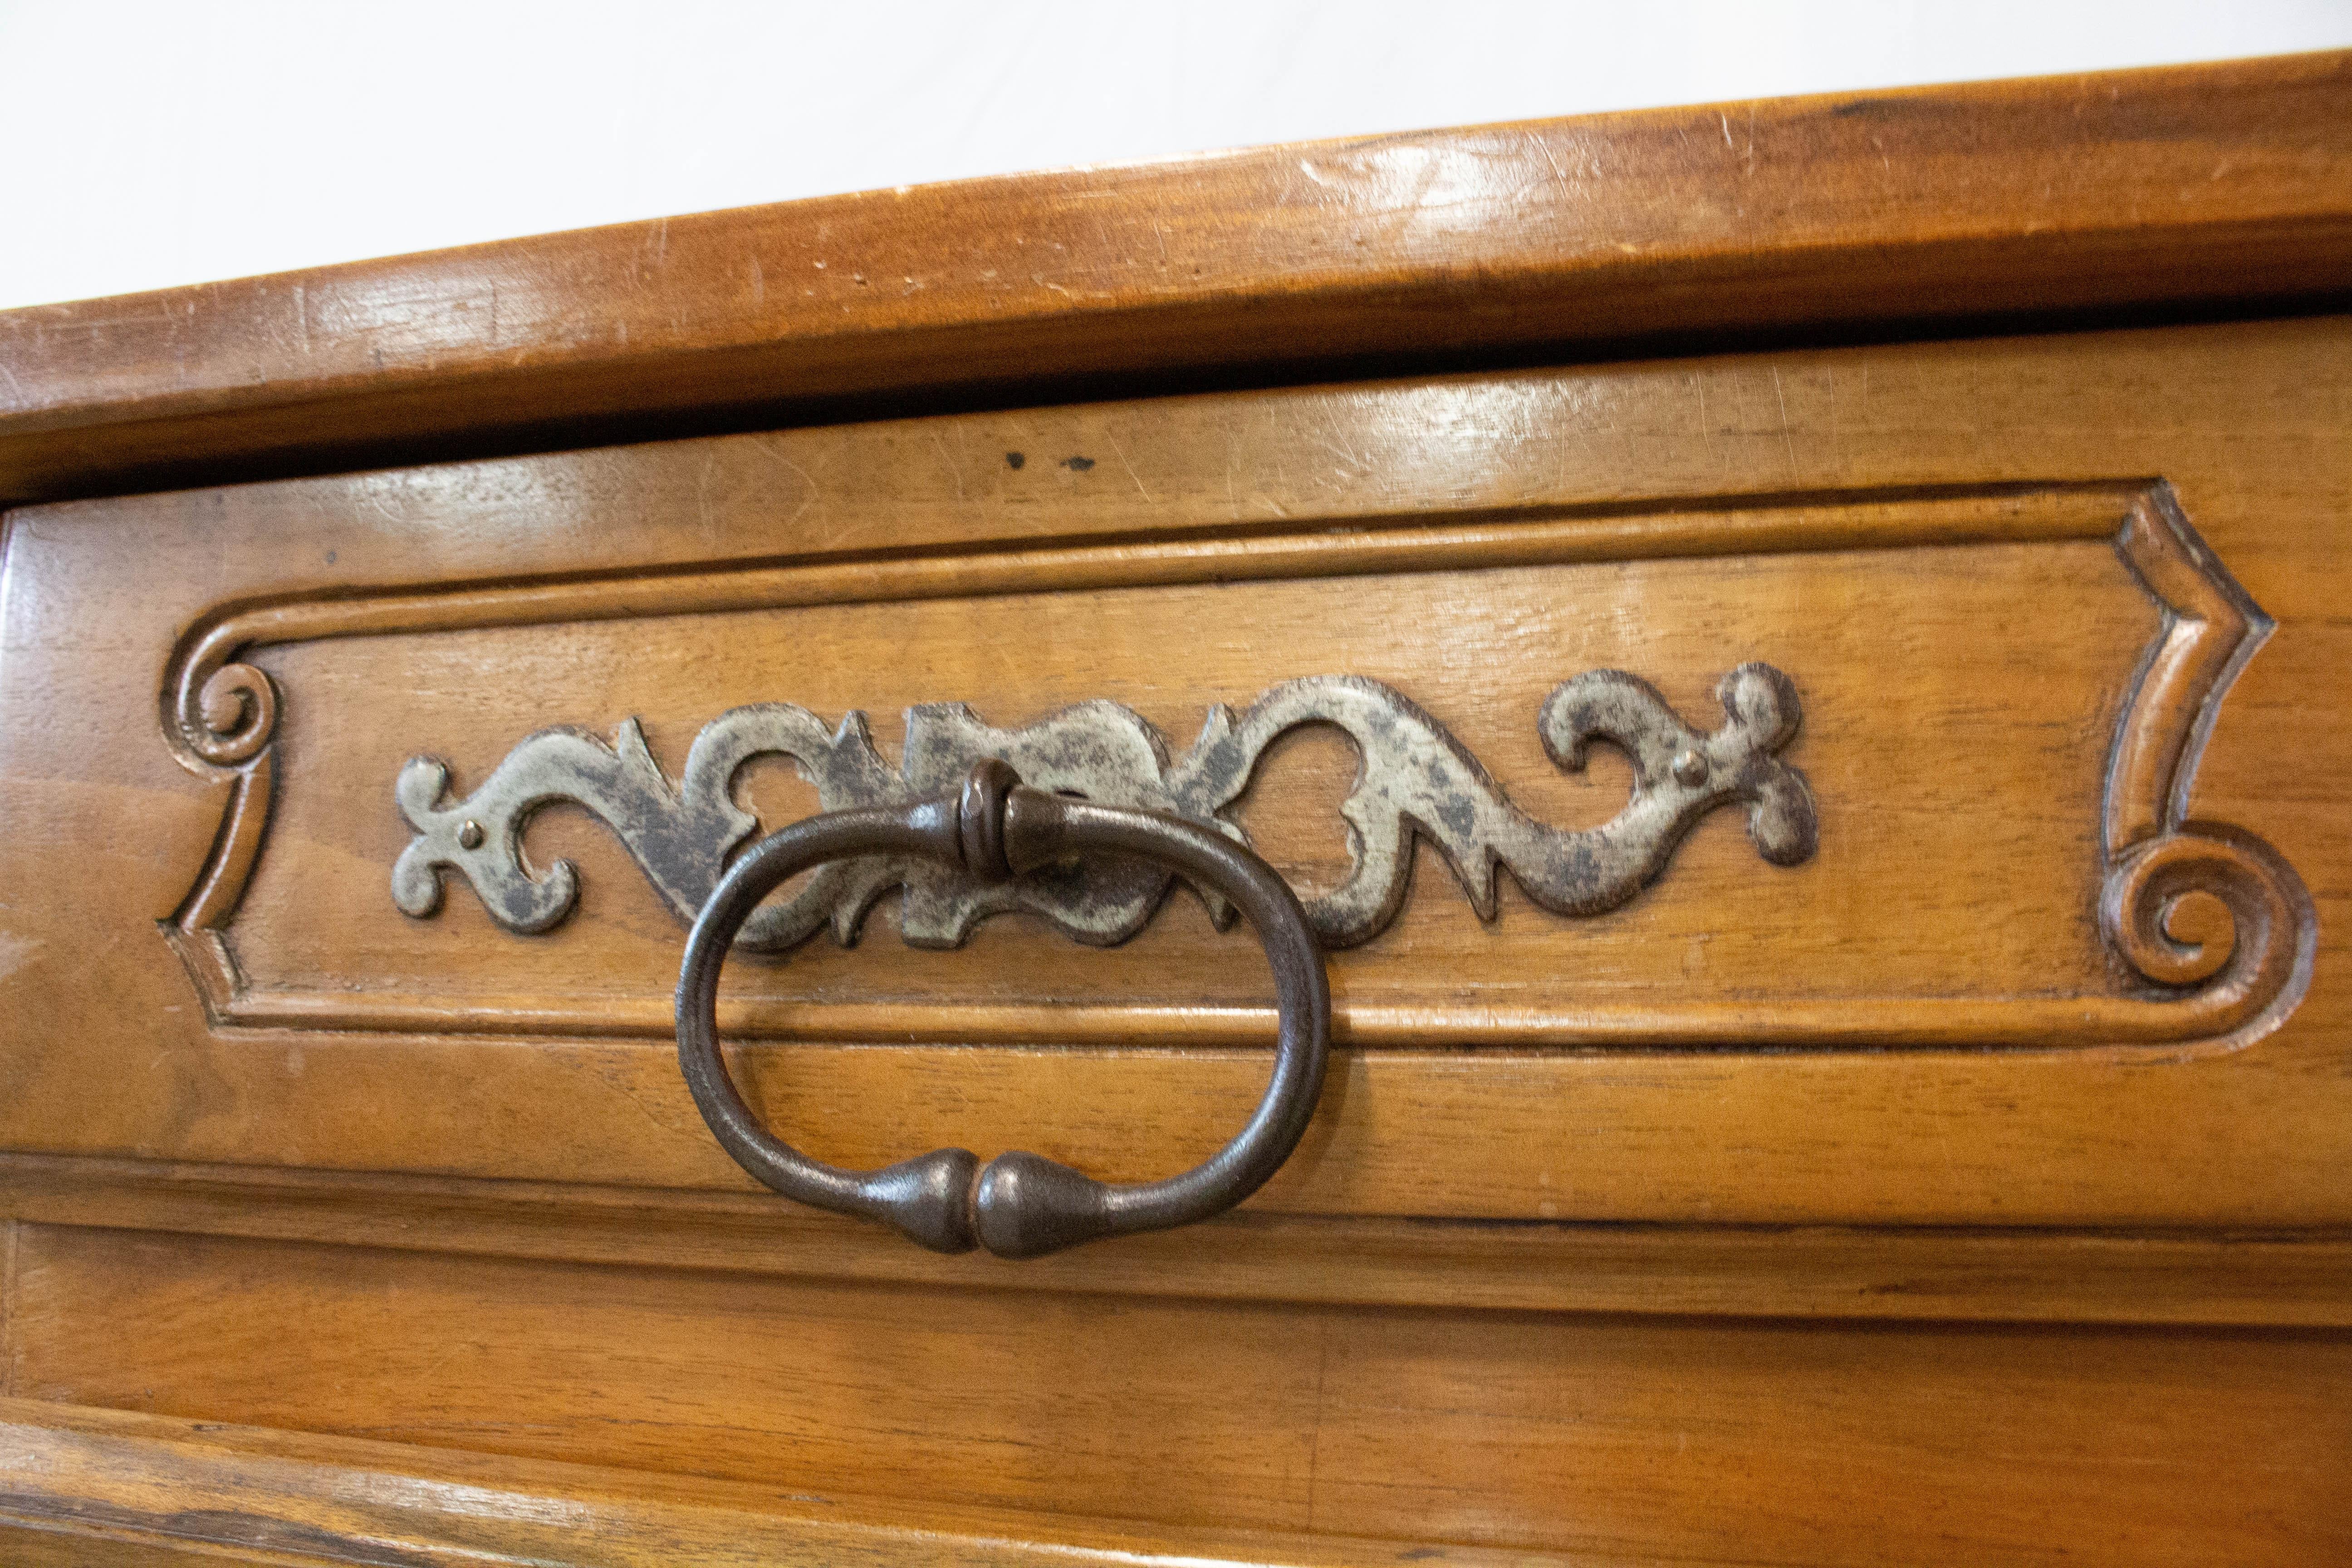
[
  {"x": 219, "y": 714},
  {"x": 1415, "y": 782}
]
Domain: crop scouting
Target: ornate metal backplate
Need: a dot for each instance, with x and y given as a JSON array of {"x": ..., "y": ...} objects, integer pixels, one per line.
[{"x": 1416, "y": 782}]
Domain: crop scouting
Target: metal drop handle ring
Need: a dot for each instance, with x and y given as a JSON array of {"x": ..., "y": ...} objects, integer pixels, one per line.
[{"x": 1021, "y": 1204}]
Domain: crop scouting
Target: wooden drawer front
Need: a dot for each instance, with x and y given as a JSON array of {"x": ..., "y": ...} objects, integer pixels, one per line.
[
  {"x": 2012, "y": 586},
  {"x": 1715, "y": 1440}
]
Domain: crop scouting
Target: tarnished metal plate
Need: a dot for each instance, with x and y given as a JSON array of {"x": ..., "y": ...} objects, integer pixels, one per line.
[{"x": 1416, "y": 781}]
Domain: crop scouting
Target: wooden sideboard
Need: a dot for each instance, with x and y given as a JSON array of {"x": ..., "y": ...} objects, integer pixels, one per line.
[{"x": 1793, "y": 654}]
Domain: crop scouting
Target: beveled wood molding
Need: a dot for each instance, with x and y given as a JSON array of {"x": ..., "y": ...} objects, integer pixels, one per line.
[
  {"x": 2177, "y": 997},
  {"x": 1819, "y": 1273},
  {"x": 2225, "y": 184},
  {"x": 82, "y": 1485}
]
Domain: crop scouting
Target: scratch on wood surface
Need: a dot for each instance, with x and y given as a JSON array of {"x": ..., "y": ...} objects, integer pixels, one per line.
[
  {"x": 705, "y": 472},
  {"x": 771, "y": 449},
  {"x": 1130, "y": 467},
  {"x": 954, "y": 468},
  {"x": 1786, "y": 442},
  {"x": 1314, "y": 1423},
  {"x": 8, "y": 1338},
  {"x": 16, "y": 952},
  {"x": 1557, "y": 173}
]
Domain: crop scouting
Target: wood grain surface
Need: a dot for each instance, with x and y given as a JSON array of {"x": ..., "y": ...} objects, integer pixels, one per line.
[
  {"x": 85, "y": 1486},
  {"x": 1964, "y": 698},
  {"x": 1978, "y": 1191},
  {"x": 1769, "y": 1442},
  {"x": 2226, "y": 182},
  {"x": 1967, "y": 615},
  {"x": 2178, "y": 1278}
]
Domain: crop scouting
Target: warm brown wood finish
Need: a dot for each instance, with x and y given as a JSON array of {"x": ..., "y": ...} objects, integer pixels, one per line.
[
  {"x": 2120, "y": 190},
  {"x": 1540, "y": 1431},
  {"x": 1910, "y": 1274},
  {"x": 1975, "y": 1189},
  {"x": 1949, "y": 597},
  {"x": 187, "y": 1492}
]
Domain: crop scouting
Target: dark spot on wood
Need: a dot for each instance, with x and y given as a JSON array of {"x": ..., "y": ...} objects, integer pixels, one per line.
[
  {"x": 1077, "y": 464},
  {"x": 1014, "y": 459}
]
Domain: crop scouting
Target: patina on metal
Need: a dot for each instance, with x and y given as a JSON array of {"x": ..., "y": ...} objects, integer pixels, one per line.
[
  {"x": 1416, "y": 782},
  {"x": 993, "y": 830}
]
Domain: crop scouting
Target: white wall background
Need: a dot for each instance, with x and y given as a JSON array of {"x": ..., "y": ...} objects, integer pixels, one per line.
[{"x": 151, "y": 144}]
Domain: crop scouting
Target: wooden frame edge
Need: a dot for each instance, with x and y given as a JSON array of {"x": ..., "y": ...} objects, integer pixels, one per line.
[
  {"x": 2290, "y": 1280},
  {"x": 1657, "y": 225}
]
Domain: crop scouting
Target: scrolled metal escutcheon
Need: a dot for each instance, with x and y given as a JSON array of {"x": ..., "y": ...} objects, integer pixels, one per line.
[{"x": 1021, "y": 1204}]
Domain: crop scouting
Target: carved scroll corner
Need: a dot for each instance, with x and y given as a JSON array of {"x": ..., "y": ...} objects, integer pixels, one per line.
[
  {"x": 219, "y": 712},
  {"x": 2249, "y": 981},
  {"x": 232, "y": 716},
  {"x": 220, "y": 718},
  {"x": 219, "y": 726},
  {"x": 2262, "y": 974}
]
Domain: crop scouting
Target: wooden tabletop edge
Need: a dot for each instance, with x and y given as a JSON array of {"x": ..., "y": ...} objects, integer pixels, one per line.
[{"x": 2228, "y": 182}]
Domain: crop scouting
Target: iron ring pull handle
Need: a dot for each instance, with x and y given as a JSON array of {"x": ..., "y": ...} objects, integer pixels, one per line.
[{"x": 1020, "y": 1204}]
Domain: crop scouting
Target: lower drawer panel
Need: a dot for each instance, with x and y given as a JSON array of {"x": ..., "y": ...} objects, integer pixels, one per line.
[{"x": 1831, "y": 1442}]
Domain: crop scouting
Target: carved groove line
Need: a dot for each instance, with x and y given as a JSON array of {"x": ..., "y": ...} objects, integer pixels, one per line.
[{"x": 219, "y": 714}]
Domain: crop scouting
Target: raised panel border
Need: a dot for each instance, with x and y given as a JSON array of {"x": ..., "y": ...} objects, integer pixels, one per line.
[{"x": 219, "y": 714}]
